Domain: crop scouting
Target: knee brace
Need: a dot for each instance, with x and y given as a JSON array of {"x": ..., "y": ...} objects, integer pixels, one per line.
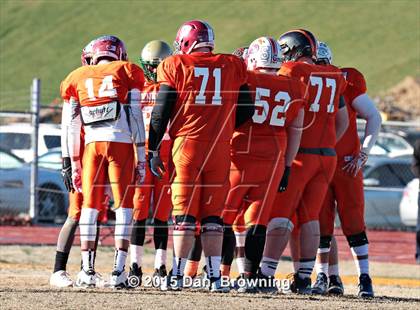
[
  {"x": 123, "y": 218},
  {"x": 280, "y": 222},
  {"x": 325, "y": 242},
  {"x": 211, "y": 224},
  {"x": 357, "y": 240},
  {"x": 88, "y": 224},
  {"x": 184, "y": 222}
]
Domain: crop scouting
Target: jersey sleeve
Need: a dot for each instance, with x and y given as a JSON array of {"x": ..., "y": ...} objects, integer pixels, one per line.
[
  {"x": 356, "y": 84},
  {"x": 241, "y": 71},
  {"x": 166, "y": 72},
  {"x": 135, "y": 76},
  {"x": 285, "y": 69},
  {"x": 66, "y": 88},
  {"x": 299, "y": 99}
]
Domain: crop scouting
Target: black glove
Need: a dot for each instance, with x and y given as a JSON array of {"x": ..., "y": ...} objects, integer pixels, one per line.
[
  {"x": 66, "y": 174},
  {"x": 284, "y": 180}
]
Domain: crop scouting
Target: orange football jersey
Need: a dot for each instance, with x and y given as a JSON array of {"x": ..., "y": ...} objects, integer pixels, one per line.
[
  {"x": 104, "y": 83},
  {"x": 277, "y": 103},
  {"x": 207, "y": 86},
  {"x": 324, "y": 85},
  {"x": 349, "y": 144},
  {"x": 148, "y": 100}
]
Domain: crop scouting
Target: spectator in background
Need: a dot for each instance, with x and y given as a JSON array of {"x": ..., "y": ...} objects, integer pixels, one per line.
[{"x": 416, "y": 170}]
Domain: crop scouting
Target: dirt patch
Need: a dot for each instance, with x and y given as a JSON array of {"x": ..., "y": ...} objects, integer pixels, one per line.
[{"x": 402, "y": 101}]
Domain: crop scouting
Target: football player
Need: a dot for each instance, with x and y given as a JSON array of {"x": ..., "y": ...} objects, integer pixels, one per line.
[
  {"x": 200, "y": 94},
  {"x": 325, "y": 121},
  {"x": 262, "y": 148},
  {"x": 155, "y": 191},
  {"x": 346, "y": 189},
  {"x": 60, "y": 277},
  {"x": 105, "y": 96}
]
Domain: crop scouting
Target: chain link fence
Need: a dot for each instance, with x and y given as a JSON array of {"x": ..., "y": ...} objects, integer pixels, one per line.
[{"x": 45, "y": 200}]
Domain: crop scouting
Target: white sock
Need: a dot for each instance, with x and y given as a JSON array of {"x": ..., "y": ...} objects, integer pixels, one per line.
[
  {"x": 213, "y": 266},
  {"x": 240, "y": 263},
  {"x": 361, "y": 259},
  {"x": 333, "y": 270},
  {"x": 178, "y": 266},
  {"x": 268, "y": 266},
  {"x": 296, "y": 266},
  {"x": 119, "y": 259},
  {"x": 160, "y": 258},
  {"x": 306, "y": 267},
  {"x": 88, "y": 260},
  {"x": 322, "y": 267},
  {"x": 136, "y": 254}
]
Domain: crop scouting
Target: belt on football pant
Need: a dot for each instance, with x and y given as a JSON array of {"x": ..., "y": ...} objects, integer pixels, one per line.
[{"x": 323, "y": 151}]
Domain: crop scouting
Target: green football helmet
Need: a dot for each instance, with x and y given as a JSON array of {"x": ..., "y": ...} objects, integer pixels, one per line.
[{"x": 152, "y": 55}]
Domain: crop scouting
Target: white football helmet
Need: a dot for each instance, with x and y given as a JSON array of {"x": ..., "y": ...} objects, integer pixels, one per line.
[
  {"x": 264, "y": 53},
  {"x": 323, "y": 53}
]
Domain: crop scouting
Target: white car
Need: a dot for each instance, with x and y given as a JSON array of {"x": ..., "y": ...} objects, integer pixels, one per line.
[
  {"x": 390, "y": 145},
  {"x": 409, "y": 203},
  {"x": 17, "y": 139},
  {"x": 15, "y": 178}
]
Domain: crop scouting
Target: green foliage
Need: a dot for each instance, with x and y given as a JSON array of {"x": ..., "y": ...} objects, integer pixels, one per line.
[{"x": 44, "y": 38}]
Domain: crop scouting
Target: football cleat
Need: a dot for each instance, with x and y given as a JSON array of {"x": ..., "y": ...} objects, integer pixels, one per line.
[
  {"x": 301, "y": 286},
  {"x": 266, "y": 284},
  {"x": 61, "y": 279},
  {"x": 160, "y": 278},
  {"x": 320, "y": 286},
  {"x": 217, "y": 287},
  {"x": 248, "y": 284},
  {"x": 174, "y": 283},
  {"x": 100, "y": 281},
  {"x": 86, "y": 279},
  {"x": 134, "y": 276},
  {"x": 118, "y": 279},
  {"x": 237, "y": 282},
  {"x": 365, "y": 286},
  {"x": 335, "y": 287}
]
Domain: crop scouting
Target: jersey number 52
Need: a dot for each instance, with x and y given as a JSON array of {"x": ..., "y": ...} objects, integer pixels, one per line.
[{"x": 260, "y": 116}]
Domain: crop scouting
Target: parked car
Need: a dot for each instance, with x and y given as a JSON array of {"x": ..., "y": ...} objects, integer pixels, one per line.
[
  {"x": 409, "y": 203},
  {"x": 384, "y": 182},
  {"x": 15, "y": 176},
  {"x": 391, "y": 145},
  {"x": 16, "y": 138},
  {"x": 51, "y": 159}
]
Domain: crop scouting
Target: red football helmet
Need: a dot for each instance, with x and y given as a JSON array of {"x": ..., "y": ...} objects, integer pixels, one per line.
[
  {"x": 87, "y": 54},
  {"x": 192, "y": 35},
  {"x": 108, "y": 46}
]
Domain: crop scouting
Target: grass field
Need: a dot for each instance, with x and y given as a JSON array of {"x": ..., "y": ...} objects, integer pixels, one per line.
[
  {"x": 44, "y": 38},
  {"x": 24, "y": 272}
]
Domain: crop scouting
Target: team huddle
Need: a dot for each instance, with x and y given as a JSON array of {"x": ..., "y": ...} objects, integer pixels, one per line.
[{"x": 246, "y": 152}]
